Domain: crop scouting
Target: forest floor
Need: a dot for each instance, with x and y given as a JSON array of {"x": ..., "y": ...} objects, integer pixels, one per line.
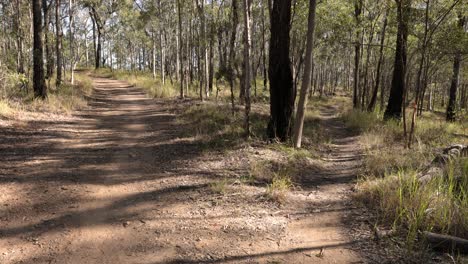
[{"x": 120, "y": 182}]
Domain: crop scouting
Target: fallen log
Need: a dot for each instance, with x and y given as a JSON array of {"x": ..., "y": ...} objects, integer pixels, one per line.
[
  {"x": 446, "y": 242},
  {"x": 435, "y": 168}
]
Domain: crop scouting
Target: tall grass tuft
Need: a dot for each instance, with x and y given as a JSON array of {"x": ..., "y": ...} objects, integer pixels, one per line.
[
  {"x": 441, "y": 205},
  {"x": 389, "y": 175}
]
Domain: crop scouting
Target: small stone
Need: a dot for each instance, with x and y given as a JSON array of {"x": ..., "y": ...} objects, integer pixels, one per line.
[{"x": 125, "y": 224}]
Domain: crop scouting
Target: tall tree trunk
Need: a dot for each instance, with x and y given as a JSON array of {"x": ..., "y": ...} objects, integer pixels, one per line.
[
  {"x": 99, "y": 45},
  {"x": 181, "y": 50},
  {"x": 451, "y": 106},
  {"x": 211, "y": 52},
  {"x": 232, "y": 52},
  {"x": 19, "y": 38},
  {"x": 264, "y": 66},
  {"x": 178, "y": 46},
  {"x": 306, "y": 79},
  {"x": 365, "y": 90},
  {"x": 373, "y": 100},
  {"x": 211, "y": 65},
  {"x": 395, "y": 101},
  {"x": 357, "y": 50},
  {"x": 72, "y": 40},
  {"x": 94, "y": 34},
  {"x": 153, "y": 38},
  {"x": 58, "y": 43},
  {"x": 163, "y": 57},
  {"x": 48, "y": 56},
  {"x": 204, "y": 50},
  {"x": 247, "y": 64},
  {"x": 419, "y": 75},
  {"x": 40, "y": 89},
  {"x": 279, "y": 71}
]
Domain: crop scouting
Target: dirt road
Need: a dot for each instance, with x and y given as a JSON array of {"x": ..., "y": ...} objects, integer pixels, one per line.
[{"x": 119, "y": 183}]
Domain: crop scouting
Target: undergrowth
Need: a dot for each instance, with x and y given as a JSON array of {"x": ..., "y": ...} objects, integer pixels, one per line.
[
  {"x": 441, "y": 205},
  {"x": 390, "y": 172},
  {"x": 216, "y": 127},
  {"x": 17, "y": 96}
]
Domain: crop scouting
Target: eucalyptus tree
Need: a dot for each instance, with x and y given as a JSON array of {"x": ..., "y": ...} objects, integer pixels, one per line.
[
  {"x": 457, "y": 58},
  {"x": 282, "y": 95},
  {"x": 101, "y": 11},
  {"x": 395, "y": 101},
  {"x": 306, "y": 79},
  {"x": 58, "y": 42},
  {"x": 247, "y": 62},
  {"x": 40, "y": 89}
]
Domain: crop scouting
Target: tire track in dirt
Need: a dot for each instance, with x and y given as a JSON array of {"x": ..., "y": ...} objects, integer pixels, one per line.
[{"x": 119, "y": 183}]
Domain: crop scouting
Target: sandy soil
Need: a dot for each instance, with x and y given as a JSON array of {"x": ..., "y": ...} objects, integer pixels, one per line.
[{"x": 119, "y": 183}]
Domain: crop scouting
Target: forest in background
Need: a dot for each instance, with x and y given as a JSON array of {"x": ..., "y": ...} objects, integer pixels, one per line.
[{"x": 395, "y": 70}]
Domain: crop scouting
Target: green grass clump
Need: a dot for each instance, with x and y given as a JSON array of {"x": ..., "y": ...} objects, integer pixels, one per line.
[
  {"x": 280, "y": 185},
  {"x": 390, "y": 173},
  {"x": 441, "y": 205},
  {"x": 277, "y": 176},
  {"x": 219, "y": 187},
  {"x": 362, "y": 121}
]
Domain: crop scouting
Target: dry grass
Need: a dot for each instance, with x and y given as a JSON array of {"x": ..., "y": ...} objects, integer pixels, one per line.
[
  {"x": 438, "y": 206},
  {"x": 153, "y": 86},
  {"x": 389, "y": 175},
  {"x": 5, "y": 109},
  {"x": 61, "y": 100},
  {"x": 219, "y": 186}
]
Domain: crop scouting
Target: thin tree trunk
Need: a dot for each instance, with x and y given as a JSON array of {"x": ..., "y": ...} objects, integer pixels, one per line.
[
  {"x": 72, "y": 40},
  {"x": 181, "y": 50},
  {"x": 163, "y": 58},
  {"x": 232, "y": 53},
  {"x": 451, "y": 106},
  {"x": 419, "y": 75},
  {"x": 48, "y": 56},
  {"x": 373, "y": 101},
  {"x": 265, "y": 75},
  {"x": 178, "y": 46},
  {"x": 357, "y": 56},
  {"x": 365, "y": 90},
  {"x": 247, "y": 64},
  {"x": 153, "y": 38},
  {"x": 306, "y": 79},
  {"x": 204, "y": 64},
  {"x": 58, "y": 43},
  {"x": 40, "y": 89},
  {"x": 19, "y": 39}
]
